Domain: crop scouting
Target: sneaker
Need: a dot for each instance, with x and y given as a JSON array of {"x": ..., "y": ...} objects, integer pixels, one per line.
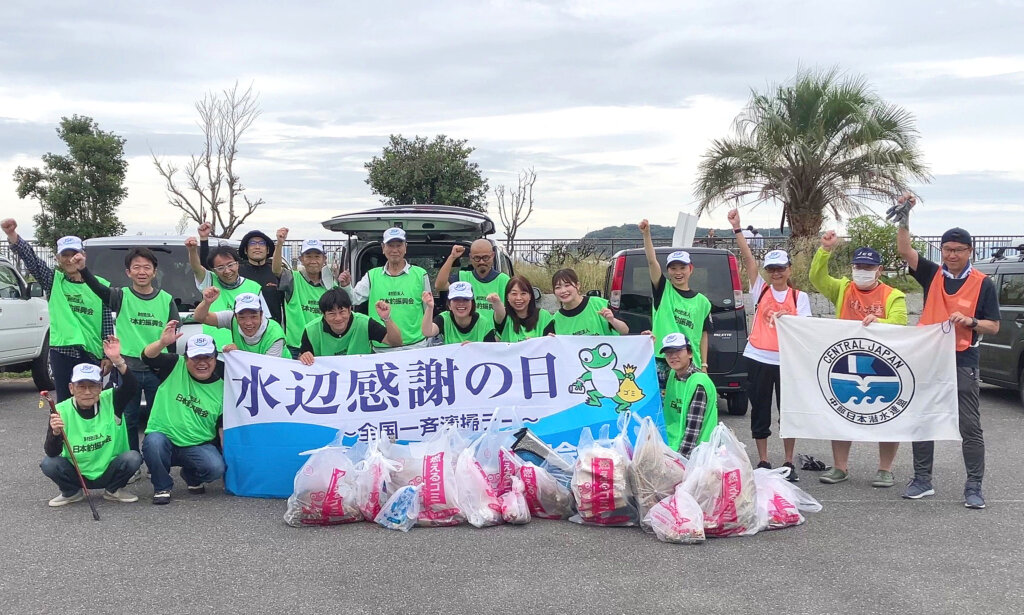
[
  {"x": 791, "y": 477},
  {"x": 833, "y": 476},
  {"x": 883, "y": 479},
  {"x": 139, "y": 475},
  {"x": 120, "y": 496},
  {"x": 972, "y": 496},
  {"x": 162, "y": 497},
  {"x": 61, "y": 499},
  {"x": 196, "y": 489},
  {"x": 765, "y": 465},
  {"x": 917, "y": 489}
]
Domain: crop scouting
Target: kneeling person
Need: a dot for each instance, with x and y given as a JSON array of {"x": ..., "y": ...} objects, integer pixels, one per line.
[
  {"x": 185, "y": 420},
  {"x": 340, "y": 331},
  {"x": 251, "y": 328},
  {"x": 691, "y": 400},
  {"x": 93, "y": 421}
]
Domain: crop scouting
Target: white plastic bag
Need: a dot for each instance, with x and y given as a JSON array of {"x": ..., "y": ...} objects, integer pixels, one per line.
[
  {"x": 600, "y": 480},
  {"x": 514, "y": 509},
  {"x": 477, "y": 498},
  {"x": 374, "y": 480},
  {"x": 720, "y": 478},
  {"x": 326, "y": 490},
  {"x": 677, "y": 518},
  {"x": 402, "y": 509},
  {"x": 430, "y": 464},
  {"x": 656, "y": 469},
  {"x": 779, "y": 501}
]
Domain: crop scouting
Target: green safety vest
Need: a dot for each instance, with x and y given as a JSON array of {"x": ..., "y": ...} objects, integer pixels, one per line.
[
  {"x": 482, "y": 289},
  {"x": 272, "y": 334},
  {"x": 76, "y": 315},
  {"x": 677, "y": 314},
  {"x": 508, "y": 333},
  {"x": 226, "y": 302},
  {"x": 482, "y": 325},
  {"x": 184, "y": 410},
  {"x": 140, "y": 322},
  {"x": 678, "y": 395},
  {"x": 587, "y": 323},
  {"x": 405, "y": 295},
  {"x": 355, "y": 341},
  {"x": 302, "y": 308},
  {"x": 96, "y": 441}
]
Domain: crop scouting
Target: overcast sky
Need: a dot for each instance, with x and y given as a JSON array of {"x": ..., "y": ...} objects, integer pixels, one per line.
[{"x": 612, "y": 103}]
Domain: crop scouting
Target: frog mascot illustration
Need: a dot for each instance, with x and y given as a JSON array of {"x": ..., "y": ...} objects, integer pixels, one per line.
[{"x": 606, "y": 381}]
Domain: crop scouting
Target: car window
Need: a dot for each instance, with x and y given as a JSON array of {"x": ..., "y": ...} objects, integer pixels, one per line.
[
  {"x": 173, "y": 272},
  {"x": 9, "y": 286},
  {"x": 1011, "y": 289},
  {"x": 711, "y": 277}
]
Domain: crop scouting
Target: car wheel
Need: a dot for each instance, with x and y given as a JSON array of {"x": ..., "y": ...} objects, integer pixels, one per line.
[
  {"x": 736, "y": 403},
  {"x": 41, "y": 375}
]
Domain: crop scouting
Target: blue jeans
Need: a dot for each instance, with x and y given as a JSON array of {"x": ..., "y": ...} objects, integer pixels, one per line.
[
  {"x": 62, "y": 365},
  {"x": 120, "y": 470},
  {"x": 148, "y": 383},
  {"x": 199, "y": 464}
]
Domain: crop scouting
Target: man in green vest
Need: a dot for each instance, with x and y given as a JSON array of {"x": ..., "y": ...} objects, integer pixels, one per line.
[
  {"x": 223, "y": 262},
  {"x": 185, "y": 420},
  {"x": 340, "y": 331},
  {"x": 79, "y": 322},
  {"x": 142, "y": 312},
  {"x": 92, "y": 421},
  {"x": 248, "y": 321},
  {"x": 676, "y": 308},
  {"x": 691, "y": 400},
  {"x": 483, "y": 275},
  {"x": 399, "y": 283},
  {"x": 301, "y": 292}
]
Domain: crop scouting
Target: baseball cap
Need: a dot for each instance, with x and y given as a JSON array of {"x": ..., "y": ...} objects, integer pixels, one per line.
[
  {"x": 776, "y": 258},
  {"x": 248, "y": 301},
  {"x": 673, "y": 341},
  {"x": 86, "y": 371},
  {"x": 866, "y": 256},
  {"x": 679, "y": 256},
  {"x": 200, "y": 345},
  {"x": 394, "y": 234},
  {"x": 312, "y": 244},
  {"x": 69, "y": 243},
  {"x": 956, "y": 234},
  {"x": 460, "y": 290}
]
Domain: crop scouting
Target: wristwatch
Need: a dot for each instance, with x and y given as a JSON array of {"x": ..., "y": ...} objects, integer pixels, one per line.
[
  {"x": 974, "y": 323},
  {"x": 118, "y": 365},
  {"x": 737, "y": 230}
]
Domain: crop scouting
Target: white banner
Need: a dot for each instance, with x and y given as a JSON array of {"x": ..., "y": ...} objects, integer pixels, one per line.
[{"x": 841, "y": 380}]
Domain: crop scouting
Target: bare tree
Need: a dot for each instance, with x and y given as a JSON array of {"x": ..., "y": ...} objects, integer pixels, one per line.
[
  {"x": 515, "y": 206},
  {"x": 211, "y": 190}
]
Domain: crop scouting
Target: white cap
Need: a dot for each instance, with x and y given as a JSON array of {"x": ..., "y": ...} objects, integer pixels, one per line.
[
  {"x": 394, "y": 234},
  {"x": 312, "y": 244},
  {"x": 460, "y": 290},
  {"x": 776, "y": 258},
  {"x": 200, "y": 345},
  {"x": 69, "y": 243},
  {"x": 679, "y": 256},
  {"x": 248, "y": 301},
  {"x": 86, "y": 371},
  {"x": 674, "y": 340}
]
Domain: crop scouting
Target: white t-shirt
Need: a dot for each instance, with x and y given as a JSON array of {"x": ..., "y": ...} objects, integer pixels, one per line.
[{"x": 803, "y": 308}]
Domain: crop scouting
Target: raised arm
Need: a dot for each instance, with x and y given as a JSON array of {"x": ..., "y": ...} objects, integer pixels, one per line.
[
  {"x": 193, "y": 259},
  {"x": 167, "y": 338},
  {"x": 652, "y": 259},
  {"x": 445, "y": 271},
  {"x": 393, "y": 337},
  {"x": 818, "y": 275},
  {"x": 427, "y": 327},
  {"x": 498, "y": 307},
  {"x": 202, "y": 313},
  {"x": 746, "y": 256},
  {"x": 277, "y": 266},
  {"x": 903, "y": 243}
]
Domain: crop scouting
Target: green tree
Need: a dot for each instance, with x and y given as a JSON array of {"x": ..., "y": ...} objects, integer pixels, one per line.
[
  {"x": 822, "y": 144},
  {"x": 437, "y": 172},
  {"x": 78, "y": 193}
]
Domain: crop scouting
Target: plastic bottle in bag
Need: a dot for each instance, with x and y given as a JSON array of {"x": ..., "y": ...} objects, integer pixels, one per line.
[
  {"x": 402, "y": 509},
  {"x": 431, "y": 465}
]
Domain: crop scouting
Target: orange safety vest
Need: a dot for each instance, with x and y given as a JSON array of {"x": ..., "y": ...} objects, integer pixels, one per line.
[
  {"x": 764, "y": 336},
  {"x": 938, "y": 305},
  {"x": 857, "y": 304}
]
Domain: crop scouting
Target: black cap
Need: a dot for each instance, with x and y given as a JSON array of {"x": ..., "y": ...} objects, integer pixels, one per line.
[{"x": 958, "y": 235}]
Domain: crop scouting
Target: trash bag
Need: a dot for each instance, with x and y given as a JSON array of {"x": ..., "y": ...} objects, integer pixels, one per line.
[
  {"x": 430, "y": 464},
  {"x": 677, "y": 518},
  {"x": 600, "y": 479},
  {"x": 477, "y": 498},
  {"x": 514, "y": 508},
  {"x": 326, "y": 490},
  {"x": 779, "y": 501},
  {"x": 655, "y": 469},
  {"x": 720, "y": 478},
  {"x": 374, "y": 480},
  {"x": 402, "y": 509},
  {"x": 628, "y": 391}
]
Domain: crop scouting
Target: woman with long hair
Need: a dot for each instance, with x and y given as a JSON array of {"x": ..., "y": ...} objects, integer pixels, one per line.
[
  {"x": 519, "y": 318},
  {"x": 579, "y": 314}
]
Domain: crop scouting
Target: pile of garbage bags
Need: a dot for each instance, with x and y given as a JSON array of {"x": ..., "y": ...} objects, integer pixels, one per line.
[{"x": 505, "y": 475}]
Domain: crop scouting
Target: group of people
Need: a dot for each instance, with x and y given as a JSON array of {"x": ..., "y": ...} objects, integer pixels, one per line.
[{"x": 252, "y": 302}]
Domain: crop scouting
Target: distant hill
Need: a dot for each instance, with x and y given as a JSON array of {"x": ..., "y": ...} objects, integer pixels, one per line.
[{"x": 658, "y": 231}]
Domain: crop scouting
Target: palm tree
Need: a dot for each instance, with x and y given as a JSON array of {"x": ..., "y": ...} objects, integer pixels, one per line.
[{"x": 824, "y": 143}]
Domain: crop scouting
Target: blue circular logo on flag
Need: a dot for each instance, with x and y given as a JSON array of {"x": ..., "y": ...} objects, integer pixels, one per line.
[{"x": 865, "y": 382}]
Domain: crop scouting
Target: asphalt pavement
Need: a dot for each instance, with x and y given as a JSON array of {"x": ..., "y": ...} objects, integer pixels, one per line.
[{"x": 868, "y": 551}]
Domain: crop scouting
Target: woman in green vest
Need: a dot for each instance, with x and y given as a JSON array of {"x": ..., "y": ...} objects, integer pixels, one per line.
[
  {"x": 580, "y": 315},
  {"x": 461, "y": 323},
  {"x": 223, "y": 261},
  {"x": 248, "y": 321},
  {"x": 519, "y": 318},
  {"x": 691, "y": 400},
  {"x": 340, "y": 331}
]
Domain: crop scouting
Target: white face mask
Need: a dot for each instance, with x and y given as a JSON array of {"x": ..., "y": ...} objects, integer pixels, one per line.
[{"x": 863, "y": 279}]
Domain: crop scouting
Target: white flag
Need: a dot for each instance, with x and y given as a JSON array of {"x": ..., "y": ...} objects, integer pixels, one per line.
[{"x": 841, "y": 380}]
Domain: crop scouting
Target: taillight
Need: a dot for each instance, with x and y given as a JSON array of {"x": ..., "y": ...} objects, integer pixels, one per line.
[
  {"x": 615, "y": 296},
  {"x": 737, "y": 288}
]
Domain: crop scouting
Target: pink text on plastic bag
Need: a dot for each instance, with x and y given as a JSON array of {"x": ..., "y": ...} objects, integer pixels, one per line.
[{"x": 433, "y": 479}]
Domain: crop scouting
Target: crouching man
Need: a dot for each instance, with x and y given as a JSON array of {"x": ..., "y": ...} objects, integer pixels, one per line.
[
  {"x": 691, "y": 400},
  {"x": 185, "y": 420},
  {"x": 93, "y": 420},
  {"x": 251, "y": 328}
]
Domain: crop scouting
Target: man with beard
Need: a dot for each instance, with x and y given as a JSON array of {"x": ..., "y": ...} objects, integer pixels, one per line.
[{"x": 482, "y": 275}]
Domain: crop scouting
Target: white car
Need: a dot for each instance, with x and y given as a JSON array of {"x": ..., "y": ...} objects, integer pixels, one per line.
[{"x": 24, "y": 326}]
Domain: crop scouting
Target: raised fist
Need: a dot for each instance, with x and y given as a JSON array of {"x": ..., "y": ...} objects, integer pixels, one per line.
[
  {"x": 170, "y": 333},
  {"x": 78, "y": 260},
  {"x": 428, "y": 299},
  {"x": 210, "y": 294},
  {"x": 734, "y": 218},
  {"x": 829, "y": 240},
  {"x": 644, "y": 226},
  {"x": 458, "y": 251},
  {"x": 383, "y": 309},
  {"x": 204, "y": 230},
  {"x": 112, "y": 348},
  {"x": 493, "y": 299},
  {"x": 191, "y": 242},
  {"x": 344, "y": 279},
  {"x": 607, "y": 314},
  {"x": 10, "y": 227},
  {"x": 282, "y": 233}
]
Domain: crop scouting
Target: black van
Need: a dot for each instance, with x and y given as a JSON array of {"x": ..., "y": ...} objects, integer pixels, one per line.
[
  {"x": 1002, "y": 354},
  {"x": 716, "y": 275}
]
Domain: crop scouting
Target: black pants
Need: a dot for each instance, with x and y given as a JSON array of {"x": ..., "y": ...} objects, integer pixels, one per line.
[{"x": 763, "y": 380}]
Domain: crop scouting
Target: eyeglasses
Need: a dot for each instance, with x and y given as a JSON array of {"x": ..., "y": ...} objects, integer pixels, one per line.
[
  {"x": 480, "y": 259},
  {"x": 225, "y": 267},
  {"x": 257, "y": 242},
  {"x": 957, "y": 251}
]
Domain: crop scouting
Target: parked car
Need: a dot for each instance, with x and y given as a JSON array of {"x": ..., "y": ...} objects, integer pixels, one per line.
[
  {"x": 716, "y": 275},
  {"x": 1002, "y": 354},
  {"x": 24, "y": 326}
]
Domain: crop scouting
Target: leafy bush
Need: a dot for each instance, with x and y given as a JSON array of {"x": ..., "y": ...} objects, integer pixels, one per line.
[{"x": 590, "y": 272}]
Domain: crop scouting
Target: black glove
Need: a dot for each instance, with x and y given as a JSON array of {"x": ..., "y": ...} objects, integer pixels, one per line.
[{"x": 900, "y": 212}]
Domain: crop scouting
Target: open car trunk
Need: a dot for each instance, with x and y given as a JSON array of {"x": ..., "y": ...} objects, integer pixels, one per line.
[{"x": 421, "y": 223}]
